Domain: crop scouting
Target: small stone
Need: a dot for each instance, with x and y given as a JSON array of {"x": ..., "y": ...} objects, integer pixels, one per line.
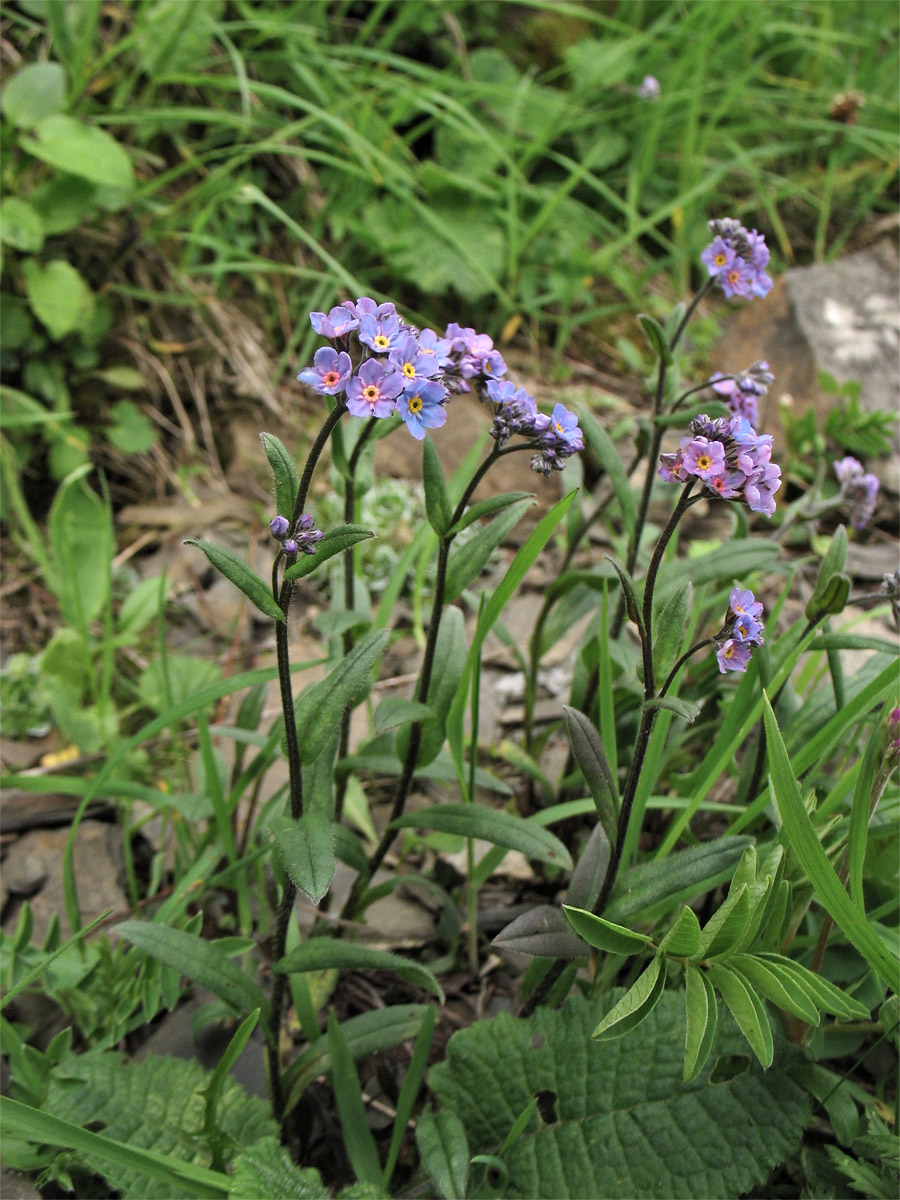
[{"x": 23, "y": 872}]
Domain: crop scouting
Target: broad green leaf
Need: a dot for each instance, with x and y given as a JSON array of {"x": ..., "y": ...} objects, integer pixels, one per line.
[
  {"x": 396, "y": 710},
  {"x": 329, "y": 954},
  {"x": 779, "y": 987},
  {"x": 598, "y": 1145},
  {"x": 378, "y": 1029},
  {"x": 746, "y": 1008},
  {"x": 199, "y": 961},
  {"x": 669, "y": 626},
  {"x": 131, "y": 430},
  {"x": 822, "y": 992},
  {"x": 358, "y": 1140},
  {"x": 36, "y": 91},
  {"x": 81, "y": 538},
  {"x": 587, "y": 749},
  {"x": 20, "y": 225},
  {"x": 725, "y": 927},
  {"x": 306, "y": 849},
  {"x": 491, "y": 825},
  {"x": 284, "y": 472},
  {"x": 468, "y": 559},
  {"x": 603, "y": 934},
  {"x": 805, "y": 844},
  {"x": 265, "y": 1171},
  {"x": 701, "y": 1018},
  {"x": 320, "y": 707},
  {"x": 334, "y": 541},
  {"x": 82, "y": 150},
  {"x": 611, "y": 461},
  {"x": 437, "y": 502},
  {"x": 653, "y": 888},
  {"x": 58, "y": 295},
  {"x": 636, "y": 1005},
  {"x": 486, "y": 508},
  {"x": 241, "y": 576},
  {"x": 23, "y": 1121},
  {"x": 444, "y": 1151},
  {"x": 683, "y": 939}
]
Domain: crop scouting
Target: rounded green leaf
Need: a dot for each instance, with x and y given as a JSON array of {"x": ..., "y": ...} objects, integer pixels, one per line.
[
  {"x": 34, "y": 92},
  {"x": 637, "y": 1003},
  {"x": 604, "y": 935},
  {"x": 20, "y": 225},
  {"x": 82, "y": 150},
  {"x": 58, "y": 296}
]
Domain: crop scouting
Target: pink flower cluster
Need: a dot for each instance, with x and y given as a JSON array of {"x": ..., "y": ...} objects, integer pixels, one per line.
[
  {"x": 859, "y": 488},
  {"x": 730, "y": 459},
  {"x": 737, "y": 257},
  {"x": 742, "y": 392},
  {"x": 555, "y": 437},
  {"x": 742, "y": 629}
]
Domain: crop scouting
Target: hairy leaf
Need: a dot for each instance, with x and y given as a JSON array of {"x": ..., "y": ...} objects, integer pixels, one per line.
[
  {"x": 334, "y": 541},
  {"x": 442, "y": 1144},
  {"x": 542, "y": 932},
  {"x": 284, "y": 471},
  {"x": 636, "y": 1005},
  {"x": 492, "y": 825},
  {"x": 326, "y": 954},
  {"x": 241, "y": 576}
]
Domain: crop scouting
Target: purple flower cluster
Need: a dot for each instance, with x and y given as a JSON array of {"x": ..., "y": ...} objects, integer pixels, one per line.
[
  {"x": 301, "y": 539},
  {"x": 859, "y": 489},
  {"x": 401, "y": 369},
  {"x": 730, "y": 459},
  {"x": 737, "y": 257},
  {"x": 742, "y": 630},
  {"x": 555, "y": 437},
  {"x": 743, "y": 391}
]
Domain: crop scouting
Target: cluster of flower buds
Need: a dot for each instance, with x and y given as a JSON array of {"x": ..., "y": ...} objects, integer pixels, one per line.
[
  {"x": 301, "y": 539},
  {"x": 555, "y": 437},
  {"x": 399, "y": 368},
  {"x": 730, "y": 459},
  {"x": 737, "y": 257},
  {"x": 742, "y": 392},
  {"x": 859, "y": 489},
  {"x": 741, "y": 631}
]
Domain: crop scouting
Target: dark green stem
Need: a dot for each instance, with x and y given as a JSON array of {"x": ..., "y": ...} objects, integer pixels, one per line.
[{"x": 695, "y": 649}]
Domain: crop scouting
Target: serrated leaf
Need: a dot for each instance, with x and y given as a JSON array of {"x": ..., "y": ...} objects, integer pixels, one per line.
[
  {"x": 306, "y": 850},
  {"x": 701, "y": 1018},
  {"x": 444, "y": 1150},
  {"x": 778, "y": 986},
  {"x": 542, "y": 932},
  {"x": 284, "y": 472},
  {"x": 334, "y": 541},
  {"x": 746, "y": 1008},
  {"x": 491, "y": 825},
  {"x": 603, "y": 934},
  {"x": 82, "y": 150},
  {"x": 329, "y": 954},
  {"x": 636, "y": 1005},
  {"x": 683, "y": 939},
  {"x": 199, "y": 961},
  {"x": 486, "y": 508},
  {"x": 598, "y": 1146},
  {"x": 320, "y": 707},
  {"x": 651, "y": 887},
  {"x": 587, "y": 750},
  {"x": 437, "y": 502},
  {"x": 468, "y": 559},
  {"x": 396, "y": 711},
  {"x": 241, "y": 576},
  {"x": 265, "y": 1171}
]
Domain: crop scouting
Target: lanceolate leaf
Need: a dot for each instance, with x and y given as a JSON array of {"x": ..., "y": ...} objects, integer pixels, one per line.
[
  {"x": 358, "y": 1139},
  {"x": 437, "y": 502},
  {"x": 200, "y": 961},
  {"x": 587, "y": 749},
  {"x": 485, "y": 508},
  {"x": 701, "y": 1013},
  {"x": 805, "y": 844},
  {"x": 542, "y": 932},
  {"x": 241, "y": 576},
  {"x": 320, "y": 706},
  {"x": 656, "y": 336},
  {"x": 780, "y": 988},
  {"x": 442, "y": 1144},
  {"x": 284, "y": 470},
  {"x": 822, "y": 992},
  {"x": 747, "y": 1010},
  {"x": 653, "y": 887},
  {"x": 468, "y": 559},
  {"x": 635, "y": 1005},
  {"x": 726, "y": 926},
  {"x": 604, "y": 935},
  {"x": 491, "y": 825},
  {"x": 688, "y": 710},
  {"x": 326, "y": 954},
  {"x": 334, "y": 541},
  {"x": 396, "y": 710},
  {"x": 306, "y": 849},
  {"x": 683, "y": 939},
  {"x": 611, "y": 461},
  {"x": 449, "y": 660}
]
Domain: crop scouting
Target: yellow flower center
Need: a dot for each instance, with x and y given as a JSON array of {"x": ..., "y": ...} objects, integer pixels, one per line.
[
  {"x": 728, "y": 652},
  {"x": 371, "y": 393},
  {"x": 720, "y": 260},
  {"x": 704, "y": 462},
  {"x": 559, "y": 428},
  {"x": 331, "y": 378},
  {"x": 414, "y": 404},
  {"x": 381, "y": 342},
  {"x": 408, "y": 370}
]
